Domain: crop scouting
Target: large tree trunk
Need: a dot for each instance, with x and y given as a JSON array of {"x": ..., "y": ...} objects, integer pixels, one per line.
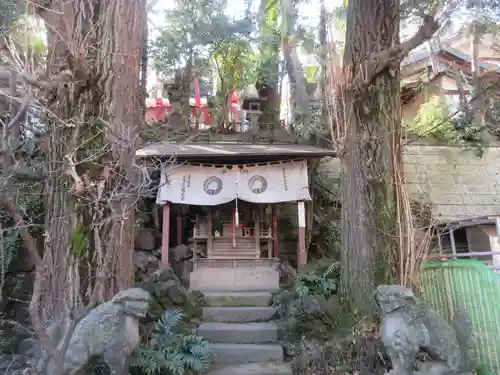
[
  {"x": 93, "y": 96},
  {"x": 299, "y": 97},
  {"x": 53, "y": 290},
  {"x": 268, "y": 80},
  {"x": 123, "y": 101},
  {"x": 370, "y": 215}
]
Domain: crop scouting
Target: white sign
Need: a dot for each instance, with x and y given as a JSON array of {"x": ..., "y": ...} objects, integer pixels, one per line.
[
  {"x": 195, "y": 185},
  {"x": 210, "y": 186},
  {"x": 301, "y": 212},
  {"x": 273, "y": 183}
]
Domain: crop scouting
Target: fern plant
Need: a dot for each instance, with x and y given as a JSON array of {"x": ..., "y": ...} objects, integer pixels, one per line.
[
  {"x": 298, "y": 321},
  {"x": 323, "y": 281},
  {"x": 12, "y": 244},
  {"x": 171, "y": 350}
]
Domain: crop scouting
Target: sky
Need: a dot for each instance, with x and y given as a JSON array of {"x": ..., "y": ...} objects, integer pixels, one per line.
[{"x": 308, "y": 11}]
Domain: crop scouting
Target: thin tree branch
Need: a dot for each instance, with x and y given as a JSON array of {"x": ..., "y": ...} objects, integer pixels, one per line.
[
  {"x": 22, "y": 227},
  {"x": 19, "y": 115},
  {"x": 392, "y": 57}
]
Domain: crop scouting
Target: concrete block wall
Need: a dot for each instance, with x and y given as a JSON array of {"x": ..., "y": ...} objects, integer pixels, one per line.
[{"x": 458, "y": 183}]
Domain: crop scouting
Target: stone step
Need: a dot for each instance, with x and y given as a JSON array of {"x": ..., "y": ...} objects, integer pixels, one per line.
[
  {"x": 245, "y": 353},
  {"x": 223, "y": 239},
  {"x": 234, "y": 279},
  {"x": 239, "y": 333},
  {"x": 237, "y": 299},
  {"x": 233, "y": 250},
  {"x": 230, "y": 246},
  {"x": 239, "y": 243},
  {"x": 233, "y": 256},
  {"x": 240, "y": 314},
  {"x": 267, "y": 368}
]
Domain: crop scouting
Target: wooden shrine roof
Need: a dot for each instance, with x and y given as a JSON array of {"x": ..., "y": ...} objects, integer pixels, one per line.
[{"x": 234, "y": 150}]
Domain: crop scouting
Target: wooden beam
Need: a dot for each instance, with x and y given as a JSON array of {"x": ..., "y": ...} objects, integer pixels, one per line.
[
  {"x": 165, "y": 234},
  {"x": 179, "y": 226},
  {"x": 256, "y": 230},
  {"x": 302, "y": 251},
  {"x": 209, "y": 230},
  {"x": 275, "y": 231}
]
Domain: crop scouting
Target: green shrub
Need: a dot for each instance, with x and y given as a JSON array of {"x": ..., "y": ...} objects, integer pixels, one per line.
[
  {"x": 170, "y": 350},
  {"x": 322, "y": 281},
  {"x": 309, "y": 308}
]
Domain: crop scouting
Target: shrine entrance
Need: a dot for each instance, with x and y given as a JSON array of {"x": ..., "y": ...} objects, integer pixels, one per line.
[
  {"x": 239, "y": 205},
  {"x": 235, "y": 192},
  {"x": 237, "y": 230}
]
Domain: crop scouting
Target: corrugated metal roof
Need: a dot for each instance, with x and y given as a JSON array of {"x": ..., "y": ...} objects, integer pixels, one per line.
[
  {"x": 438, "y": 47},
  {"x": 472, "y": 222},
  {"x": 231, "y": 149}
]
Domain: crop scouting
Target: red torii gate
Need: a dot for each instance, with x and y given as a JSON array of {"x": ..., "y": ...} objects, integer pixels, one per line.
[
  {"x": 203, "y": 108},
  {"x": 198, "y": 107},
  {"x": 159, "y": 108}
]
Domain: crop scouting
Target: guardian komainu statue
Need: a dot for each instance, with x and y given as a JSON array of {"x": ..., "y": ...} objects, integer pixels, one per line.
[
  {"x": 110, "y": 331},
  {"x": 409, "y": 326}
]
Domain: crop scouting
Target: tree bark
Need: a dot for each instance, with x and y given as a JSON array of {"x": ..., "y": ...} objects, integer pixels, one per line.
[
  {"x": 370, "y": 215},
  {"x": 52, "y": 279},
  {"x": 268, "y": 79},
  {"x": 298, "y": 83},
  {"x": 93, "y": 96},
  {"x": 126, "y": 27},
  {"x": 480, "y": 104}
]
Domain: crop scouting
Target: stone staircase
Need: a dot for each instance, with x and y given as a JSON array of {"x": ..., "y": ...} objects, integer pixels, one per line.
[
  {"x": 222, "y": 248},
  {"x": 243, "y": 339}
]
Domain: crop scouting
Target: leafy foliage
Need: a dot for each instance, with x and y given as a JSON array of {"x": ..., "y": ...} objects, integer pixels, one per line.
[
  {"x": 310, "y": 307},
  {"x": 170, "y": 351},
  {"x": 326, "y": 185},
  {"x": 270, "y": 37},
  {"x": 9, "y": 11},
  {"x": 433, "y": 120},
  {"x": 235, "y": 62},
  {"x": 323, "y": 281},
  {"x": 436, "y": 120},
  {"x": 191, "y": 28},
  {"x": 12, "y": 243}
]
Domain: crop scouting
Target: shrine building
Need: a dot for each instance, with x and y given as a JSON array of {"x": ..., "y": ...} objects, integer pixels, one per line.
[{"x": 238, "y": 189}]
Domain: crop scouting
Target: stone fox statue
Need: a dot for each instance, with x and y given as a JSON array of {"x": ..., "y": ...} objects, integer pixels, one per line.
[
  {"x": 110, "y": 331},
  {"x": 410, "y": 326}
]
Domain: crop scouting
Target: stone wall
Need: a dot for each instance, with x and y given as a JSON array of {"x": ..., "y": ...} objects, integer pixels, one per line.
[{"x": 458, "y": 183}]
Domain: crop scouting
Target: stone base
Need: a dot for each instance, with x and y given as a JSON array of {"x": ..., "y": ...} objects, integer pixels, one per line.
[
  {"x": 436, "y": 368},
  {"x": 239, "y": 333},
  {"x": 448, "y": 372},
  {"x": 268, "y": 368},
  {"x": 245, "y": 353},
  {"x": 243, "y": 279},
  {"x": 238, "y": 314},
  {"x": 237, "y": 299}
]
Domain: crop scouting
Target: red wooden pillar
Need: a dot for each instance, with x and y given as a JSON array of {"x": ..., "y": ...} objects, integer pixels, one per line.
[
  {"x": 302, "y": 251},
  {"x": 165, "y": 234},
  {"x": 276, "y": 239},
  {"x": 179, "y": 226}
]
